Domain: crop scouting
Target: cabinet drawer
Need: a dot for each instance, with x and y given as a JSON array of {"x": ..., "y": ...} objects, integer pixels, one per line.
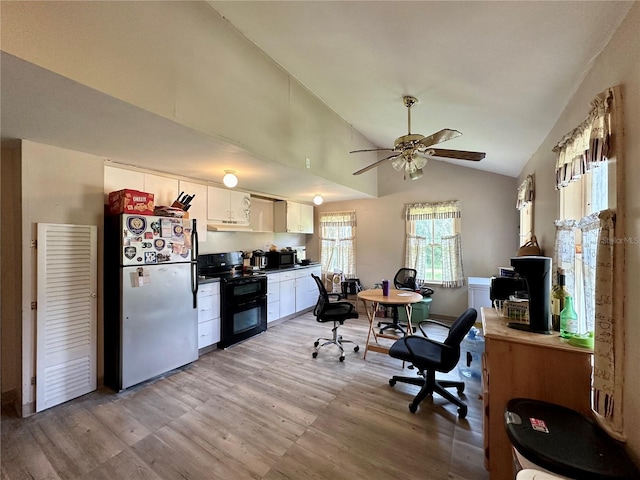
[
  {"x": 273, "y": 311},
  {"x": 273, "y": 292},
  {"x": 205, "y": 334},
  {"x": 273, "y": 278},
  {"x": 290, "y": 275},
  {"x": 209, "y": 288},
  {"x": 303, "y": 273}
]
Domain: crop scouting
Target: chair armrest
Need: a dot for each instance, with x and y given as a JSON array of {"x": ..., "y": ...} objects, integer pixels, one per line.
[
  {"x": 444, "y": 325},
  {"x": 338, "y": 296}
]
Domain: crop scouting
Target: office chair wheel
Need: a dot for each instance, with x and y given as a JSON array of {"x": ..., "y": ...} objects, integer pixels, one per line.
[
  {"x": 342, "y": 359},
  {"x": 462, "y": 412},
  {"x": 356, "y": 348},
  {"x": 413, "y": 408},
  {"x": 314, "y": 354},
  {"x": 315, "y": 344},
  {"x": 392, "y": 382}
]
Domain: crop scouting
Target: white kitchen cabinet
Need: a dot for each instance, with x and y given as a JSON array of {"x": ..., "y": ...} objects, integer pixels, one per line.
[
  {"x": 292, "y": 217},
  {"x": 273, "y": 297},
  {"x": 208, "y": 314},
  {"x": 261, "y": 219},
  {"x": 164, "y": 189},
  {"x": 120, "y": 178},
  {"x": 287, "y": 293},
  {"x": 306, "y": 288},
  {"x": 228, "y": 207},
  {"x": 198, "y": 206}
]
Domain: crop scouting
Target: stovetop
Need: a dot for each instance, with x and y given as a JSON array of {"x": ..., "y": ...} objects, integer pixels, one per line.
[{"x": 229, "y": 274}]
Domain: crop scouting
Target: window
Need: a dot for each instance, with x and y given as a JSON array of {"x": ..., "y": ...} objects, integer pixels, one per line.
[
  {"x": 524, "y": 204},
  {"x": 433, "y": 243},
  {"x": 338, "y": 243}
]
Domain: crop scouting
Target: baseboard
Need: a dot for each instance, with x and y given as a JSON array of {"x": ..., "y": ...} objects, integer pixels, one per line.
[{"x": 9, "y": 397}]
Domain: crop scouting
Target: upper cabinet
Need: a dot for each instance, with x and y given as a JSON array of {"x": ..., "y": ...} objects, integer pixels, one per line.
[
  {"x": 164, "y": 189},
  {"x": 120, "y": 178},
  {"x": 228, "y": 207},
  {"x": 197, "y": 207},
  {"x": 293, "y": 217},
  {"x": 261, "y": 215}
]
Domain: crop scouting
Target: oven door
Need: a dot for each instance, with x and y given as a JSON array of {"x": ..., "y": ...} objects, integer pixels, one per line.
[{"x": 242, "y": 321}]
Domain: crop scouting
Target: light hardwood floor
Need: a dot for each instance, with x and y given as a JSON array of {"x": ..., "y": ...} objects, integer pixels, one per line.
[{"x": 263, "y": 409}]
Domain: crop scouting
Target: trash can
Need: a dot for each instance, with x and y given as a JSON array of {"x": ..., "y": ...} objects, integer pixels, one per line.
[
  {"x": 562, "y": 442},
  {"x": 419, "y": 312}
]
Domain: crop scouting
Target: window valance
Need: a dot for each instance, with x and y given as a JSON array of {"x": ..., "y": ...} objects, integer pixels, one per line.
[
  {"x": 525, "y": 193},
  {"x": 431, "y": 211},
  {"x": 587, "y": 144},
  {"x": 338, "y": 219}
]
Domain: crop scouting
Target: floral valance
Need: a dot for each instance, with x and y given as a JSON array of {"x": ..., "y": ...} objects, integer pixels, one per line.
[
  {"x": 525, "y": 193},
  {"x": 430, "y": 211},
  {"x": 587, "y": 144},
  {"x": 338, "y": 219}
]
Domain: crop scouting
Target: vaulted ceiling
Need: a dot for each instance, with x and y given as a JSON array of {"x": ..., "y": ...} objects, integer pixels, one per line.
[{"x": 499, "y": 72}]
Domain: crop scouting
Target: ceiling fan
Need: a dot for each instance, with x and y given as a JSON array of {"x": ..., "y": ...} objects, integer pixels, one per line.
[{"x": 412, "y": 151}]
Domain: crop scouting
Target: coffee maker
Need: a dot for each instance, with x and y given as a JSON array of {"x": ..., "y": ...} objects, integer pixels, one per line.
[{"x": 536, "y": 272}]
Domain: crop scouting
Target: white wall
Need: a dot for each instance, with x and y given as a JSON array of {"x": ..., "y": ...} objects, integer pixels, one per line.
[
  {"x": 489, "y": 224},
  {"x": 58, "y": 186},
  {"x": 185, "y": 62},
  {"x": 232, "y": 241},
  {"x": 619, "y": 64}
]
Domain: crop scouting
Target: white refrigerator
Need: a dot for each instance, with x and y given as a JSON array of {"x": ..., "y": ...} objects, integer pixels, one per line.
[{"x": 151, "y": 285}]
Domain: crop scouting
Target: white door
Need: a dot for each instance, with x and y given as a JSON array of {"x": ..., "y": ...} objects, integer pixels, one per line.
[{"x": 66, "y": 345}]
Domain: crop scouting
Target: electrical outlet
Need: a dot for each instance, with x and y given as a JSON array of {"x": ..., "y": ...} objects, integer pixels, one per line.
[{"x": 307, "y": 162}]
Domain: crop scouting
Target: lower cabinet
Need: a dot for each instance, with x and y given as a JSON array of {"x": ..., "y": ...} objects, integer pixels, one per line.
[
  {"x": 290, "y": 292},
  {"x": 208, "y": 314}
]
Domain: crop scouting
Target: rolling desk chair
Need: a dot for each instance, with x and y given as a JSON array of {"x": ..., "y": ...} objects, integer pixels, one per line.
[
  {"x": 429, "y": 356},
  {"x": 405, "y": 279},
  {"x": 336, "y": 312}
]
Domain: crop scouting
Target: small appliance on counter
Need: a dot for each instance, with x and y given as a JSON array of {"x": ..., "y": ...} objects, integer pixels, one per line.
[
  {"x": 536, "y": 272},
  {"x": 259, "y": 260},
  {"x": 281, "y": 259}
]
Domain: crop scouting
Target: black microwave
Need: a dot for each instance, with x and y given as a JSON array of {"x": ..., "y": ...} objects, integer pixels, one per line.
[{"x": 281, "y": 259}]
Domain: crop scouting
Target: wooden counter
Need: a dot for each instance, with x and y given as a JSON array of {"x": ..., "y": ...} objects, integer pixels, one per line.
[{"x": 519, "y": 364}]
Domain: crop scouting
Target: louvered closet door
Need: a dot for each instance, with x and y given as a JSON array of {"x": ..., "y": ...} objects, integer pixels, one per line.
[{"x": 66, "y": 313}]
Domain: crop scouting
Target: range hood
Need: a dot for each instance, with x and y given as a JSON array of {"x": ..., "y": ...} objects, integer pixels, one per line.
[{"x": 228, "y": 227}]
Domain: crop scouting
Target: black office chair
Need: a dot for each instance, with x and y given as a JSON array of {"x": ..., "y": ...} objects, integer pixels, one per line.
[
  {"x": 429, "y": 356},
  {"x": 405, "y": 279},
  {"x": 336, "y": 312}
]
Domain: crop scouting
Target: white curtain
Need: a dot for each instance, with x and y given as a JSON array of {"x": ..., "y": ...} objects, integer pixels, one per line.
[
  {"x": 590, "y": 227},
  {"x": 607, "y": 359},
  {"x": 565, "y": 252},
  {"x": 338, "y": 243},
  {"x": 415, "y": 256},
  {"x": 586, "y": 145},
  {"x": 452, "y": 272},
  {"x": 525, "y": 193}
]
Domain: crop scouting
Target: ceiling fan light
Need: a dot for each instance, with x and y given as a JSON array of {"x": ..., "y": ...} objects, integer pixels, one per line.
[
  {"x": 416, "y": 174},
  {"x": 411, "y": 167},
  {"x": 230, "y": 180},
  {"x": 420, "y": 161},
  {"x": 398, "y": 163}
]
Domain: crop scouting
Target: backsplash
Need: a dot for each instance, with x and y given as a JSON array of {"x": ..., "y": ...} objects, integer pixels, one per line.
[{"x": 218, "y": 242}]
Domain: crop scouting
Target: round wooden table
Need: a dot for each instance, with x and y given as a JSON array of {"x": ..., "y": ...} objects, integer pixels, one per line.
[{"x": 372, "y": 298}]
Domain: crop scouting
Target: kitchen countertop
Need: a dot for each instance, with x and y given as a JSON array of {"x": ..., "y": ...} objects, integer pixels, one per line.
[{"x": 202, "y": 281}]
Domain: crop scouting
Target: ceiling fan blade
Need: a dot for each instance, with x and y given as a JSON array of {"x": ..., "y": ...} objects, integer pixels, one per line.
[
  {"x": 375, "y": 164},
  {"x": 439, "y": 137},
  {"x": 458, "y": 154},
  {"x": 372, "y": 150}
]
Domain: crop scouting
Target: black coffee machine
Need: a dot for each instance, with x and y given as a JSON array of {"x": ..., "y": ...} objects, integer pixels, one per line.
[{"x": 536, "y": 272}]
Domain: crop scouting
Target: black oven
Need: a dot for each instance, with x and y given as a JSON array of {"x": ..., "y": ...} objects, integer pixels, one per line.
[
  {"x": 244, "y": 308},
  {"x": 281, "y": 259}
]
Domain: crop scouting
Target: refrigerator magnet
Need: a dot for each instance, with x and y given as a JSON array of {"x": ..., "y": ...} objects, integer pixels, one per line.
[
  {"x": 130, "y": 252},
  {"x": 159, "y": 244},
  {"x": 148, "y": 235},
  {"x": 165, "y": 228},
  {"x": 137, "y": 225},
  {"x": 150, "y": 257}
]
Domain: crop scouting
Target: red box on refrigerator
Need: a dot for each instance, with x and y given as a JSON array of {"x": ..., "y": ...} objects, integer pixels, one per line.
[{"x": 131, "y": 201}]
